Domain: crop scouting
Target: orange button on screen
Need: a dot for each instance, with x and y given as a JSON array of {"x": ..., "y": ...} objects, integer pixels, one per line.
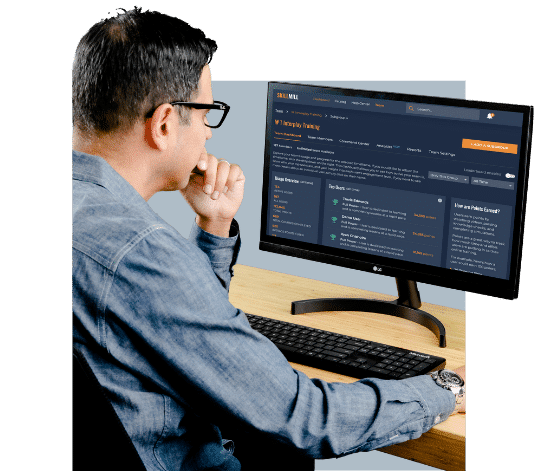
[{"x": 491, "y": 146}]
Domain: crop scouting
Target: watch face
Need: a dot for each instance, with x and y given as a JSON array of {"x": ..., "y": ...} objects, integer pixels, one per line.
[{"x": 451, "y": 378}]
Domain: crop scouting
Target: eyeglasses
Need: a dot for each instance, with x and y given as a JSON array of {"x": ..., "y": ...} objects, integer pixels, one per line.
[{"x": 217, "y": 111}]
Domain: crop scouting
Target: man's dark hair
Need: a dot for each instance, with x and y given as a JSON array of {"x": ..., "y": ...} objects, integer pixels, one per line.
[{"x": 128, "y": 65}]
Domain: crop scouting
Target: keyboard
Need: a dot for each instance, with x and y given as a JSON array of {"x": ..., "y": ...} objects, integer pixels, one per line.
[{"x": 343, "y": 354}]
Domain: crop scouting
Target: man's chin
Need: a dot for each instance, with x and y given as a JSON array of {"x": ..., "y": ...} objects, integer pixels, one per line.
[{"x": 174, "y": 186}]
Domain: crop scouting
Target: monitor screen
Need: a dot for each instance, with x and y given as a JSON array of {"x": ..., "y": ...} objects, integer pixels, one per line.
[{"x": 419, "y": 188}]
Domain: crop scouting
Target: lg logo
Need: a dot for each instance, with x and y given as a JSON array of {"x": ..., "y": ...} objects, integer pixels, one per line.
[{"x": 377, "y": 269}]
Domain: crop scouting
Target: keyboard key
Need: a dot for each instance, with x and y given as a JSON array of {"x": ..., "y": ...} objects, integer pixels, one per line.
[
  {"x": 285, "y": 347},
  {"x": 407, "y": 375},
  {"x": 335, "y": 354},
  {"x": 343, "y": 350},
  {"x": 360, "y": 360},
  {"x": 374, "y": 369},
  {"x": 333, "y": 359},
  {"x": 351, "y": 347}
]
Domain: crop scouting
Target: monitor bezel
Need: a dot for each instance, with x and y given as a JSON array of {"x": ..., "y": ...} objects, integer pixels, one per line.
[{"x": 439, "y": 276}]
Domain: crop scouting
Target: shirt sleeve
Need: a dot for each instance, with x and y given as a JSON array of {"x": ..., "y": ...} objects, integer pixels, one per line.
[
  {"x": 169, "y": 320},
  {"x": 222, "y": 252}
]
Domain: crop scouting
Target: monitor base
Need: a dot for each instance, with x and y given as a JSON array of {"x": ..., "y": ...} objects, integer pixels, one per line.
[{"x": 406, "y": 306}]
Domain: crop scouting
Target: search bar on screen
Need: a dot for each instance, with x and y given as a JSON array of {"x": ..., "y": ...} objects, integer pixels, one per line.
[{"x": 442, "y": 111}]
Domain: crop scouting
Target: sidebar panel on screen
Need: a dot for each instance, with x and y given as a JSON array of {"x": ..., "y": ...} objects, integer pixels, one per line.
[{"x": 293, "y": 203}]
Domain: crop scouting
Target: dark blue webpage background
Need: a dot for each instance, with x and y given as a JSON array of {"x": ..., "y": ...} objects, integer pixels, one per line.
[{"x": 317, "y": 158}]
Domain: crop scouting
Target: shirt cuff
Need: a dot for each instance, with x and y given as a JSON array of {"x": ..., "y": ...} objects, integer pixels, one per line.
[
  {"x": 438, "y": 403},
  {"x": 221, "y": 251}
]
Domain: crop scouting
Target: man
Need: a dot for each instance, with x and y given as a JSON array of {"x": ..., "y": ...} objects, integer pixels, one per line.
[{"x": 182, "y": 367}]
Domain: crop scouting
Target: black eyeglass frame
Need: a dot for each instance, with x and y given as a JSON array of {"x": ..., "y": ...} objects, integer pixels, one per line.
[{"x": 217, "y": 105}]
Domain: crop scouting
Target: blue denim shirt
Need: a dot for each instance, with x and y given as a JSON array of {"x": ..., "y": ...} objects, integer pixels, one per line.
[{"x": 152, "y": 317}]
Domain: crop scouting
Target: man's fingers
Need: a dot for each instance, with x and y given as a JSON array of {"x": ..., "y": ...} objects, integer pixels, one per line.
[
  {"x": 203, "y": 161},
  {"x": 235, "y": 174},
  {"x": 209, "y": 162},
  {"x": 223, "y": 170},
  {"x": 219, "y": 176}
]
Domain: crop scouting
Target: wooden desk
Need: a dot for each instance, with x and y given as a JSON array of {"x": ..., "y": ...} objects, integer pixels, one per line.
[{"x": 269, "y": 294}]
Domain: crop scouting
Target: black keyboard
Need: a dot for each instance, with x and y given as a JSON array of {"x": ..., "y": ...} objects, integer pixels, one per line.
[{"x": 343, "y": 354}]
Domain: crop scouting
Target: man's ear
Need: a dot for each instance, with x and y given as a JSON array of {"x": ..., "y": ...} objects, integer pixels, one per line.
[{"x": 157, "y": 128}]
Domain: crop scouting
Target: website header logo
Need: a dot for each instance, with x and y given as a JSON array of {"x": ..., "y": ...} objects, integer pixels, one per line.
[{"x": 287, "y": 96}]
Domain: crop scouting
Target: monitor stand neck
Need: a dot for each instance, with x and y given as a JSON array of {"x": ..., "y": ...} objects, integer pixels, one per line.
[{"x": 406, "y": 306}]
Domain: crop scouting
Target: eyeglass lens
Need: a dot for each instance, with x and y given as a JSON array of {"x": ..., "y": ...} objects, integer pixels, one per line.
[{"x": 214, "y": 117}]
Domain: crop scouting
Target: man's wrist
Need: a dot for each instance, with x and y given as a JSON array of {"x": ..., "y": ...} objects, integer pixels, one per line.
[
  {"x": 217, "y": 227},
  {"x": 454, "y": 382}
]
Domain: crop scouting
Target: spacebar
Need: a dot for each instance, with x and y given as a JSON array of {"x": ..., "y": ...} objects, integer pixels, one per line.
[
  {"x": 285, "y": 348},
  {"x": 338, "y": 363}
]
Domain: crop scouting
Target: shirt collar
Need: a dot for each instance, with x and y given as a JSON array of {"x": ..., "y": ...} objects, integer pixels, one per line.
[{"x": 94, "y": 169}]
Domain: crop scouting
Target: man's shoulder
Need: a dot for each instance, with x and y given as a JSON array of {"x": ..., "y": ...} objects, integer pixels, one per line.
[{"x": 105, "y": 228}]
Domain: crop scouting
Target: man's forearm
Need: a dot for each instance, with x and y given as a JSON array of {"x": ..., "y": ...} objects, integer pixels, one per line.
[{"x": 222, "y": 251}]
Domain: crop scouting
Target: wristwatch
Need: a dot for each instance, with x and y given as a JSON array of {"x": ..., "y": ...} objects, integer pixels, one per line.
[{"x": 452, "y": 381}]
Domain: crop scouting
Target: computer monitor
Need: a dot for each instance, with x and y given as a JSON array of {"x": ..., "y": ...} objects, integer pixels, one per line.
[{"x": 415, "y": 187}]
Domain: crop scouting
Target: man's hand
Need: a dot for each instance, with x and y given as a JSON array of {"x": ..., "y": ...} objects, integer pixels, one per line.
[
  {"x": 461, "y": 372},
  {"x": 215, "y": 192}
]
